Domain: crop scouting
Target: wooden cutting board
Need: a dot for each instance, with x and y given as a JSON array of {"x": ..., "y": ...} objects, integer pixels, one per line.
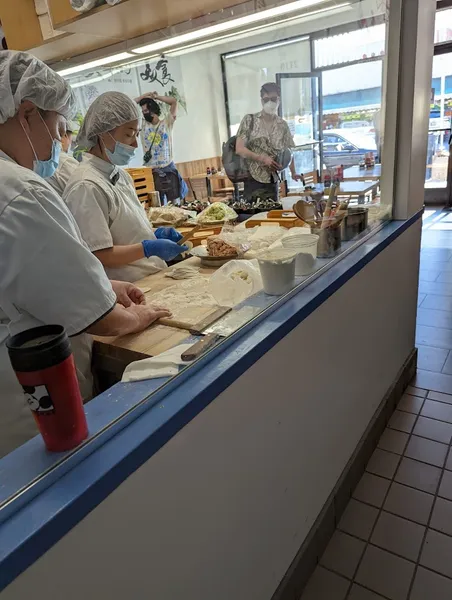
[{"x": 196, "y": 318}]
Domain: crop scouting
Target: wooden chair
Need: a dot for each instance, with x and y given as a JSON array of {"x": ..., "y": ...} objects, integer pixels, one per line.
[
  {"x": 143, "y": 181},
  {"x": 310, "y": 178},
  {"x": 199, "y": 188}
]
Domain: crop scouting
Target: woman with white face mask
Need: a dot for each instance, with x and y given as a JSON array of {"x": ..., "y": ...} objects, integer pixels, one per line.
[
  {"x": 47, "y": 275},
  {"x": 102, "y": 198},
  {"x": 260, "y": 139}
]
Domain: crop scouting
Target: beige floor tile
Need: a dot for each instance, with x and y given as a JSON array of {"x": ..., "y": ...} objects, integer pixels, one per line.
[
  {"x": 437, "y": 553},
  {"x": 414, "y": 391},
  {"x": 398, "y": 535},
  {"x": 428, "y": 451},
  {"x": 359, "y": 593},
  {"x": 440, "y": 397},
  {"x": 442, "y": 516},
  {"x": 409, "y": 503},
  {"x": 385, "y": 573},
  {"x": 445, "y": 489},
  {"x": 418, "y": 475},
  {"x": 393, "y": 441},
  {"x": 431, "y": 586},
  {"x": 402, "y": 421},
  {"x": 325, "y": 584},
  {"x": 372, "y": 489},
  {"x": 343, "y": 554},
  {"x": 411, "y": 404},
  {"x": 433, "y": 430},
  {"x": 437, "y": 410},
  {"x": 358, "y": 519},
  {"x": 383, "y": 463}
]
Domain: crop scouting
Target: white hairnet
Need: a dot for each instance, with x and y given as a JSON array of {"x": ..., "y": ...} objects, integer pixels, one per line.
[
  {"x": 108, "y": 111},
  {"x": 24, "y": 77}
]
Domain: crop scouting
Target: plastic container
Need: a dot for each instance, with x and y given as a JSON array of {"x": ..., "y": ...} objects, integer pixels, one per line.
[
  {"x": 278, "y": 271},
  {"x": 330, "y": 240},
  {"x": 354, "y": 223},
  {"x": 306, "y": 247},
  {"x": 42, "y": 360},
  {"x": 289, "y": 201}
]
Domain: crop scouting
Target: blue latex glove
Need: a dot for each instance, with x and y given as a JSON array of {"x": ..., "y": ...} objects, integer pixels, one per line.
[
  {"x": 164, "y": 249},
  {"x": 167, "y": 233}
]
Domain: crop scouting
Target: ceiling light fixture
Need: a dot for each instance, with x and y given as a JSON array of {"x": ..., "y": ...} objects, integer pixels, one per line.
[
  {"x": 227, "y": 25},
  {"x": 201, "y": 45},
  {"x": 96, "y": 63}
]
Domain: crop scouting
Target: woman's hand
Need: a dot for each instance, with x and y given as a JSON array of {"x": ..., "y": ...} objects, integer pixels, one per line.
[
  {"x": 145, "y": 315},
  {"x": 270, "y": 163},
  {"x": 127, "y": 294}
]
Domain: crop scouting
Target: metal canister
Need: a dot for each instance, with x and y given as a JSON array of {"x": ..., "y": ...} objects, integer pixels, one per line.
[
  {"x": 329, "y": 240},
  {"x": 354, "y": 223}
]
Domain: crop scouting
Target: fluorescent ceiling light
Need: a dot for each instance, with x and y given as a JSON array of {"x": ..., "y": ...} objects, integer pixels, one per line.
[
  {"x": 267, "y": 47},
  {"x": 237, "y": 35},
  {"x": 96, "y": 63},
  {"x": 227, "y": 25}
]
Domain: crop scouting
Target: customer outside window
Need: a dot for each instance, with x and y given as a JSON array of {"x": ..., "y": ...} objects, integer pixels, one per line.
[
  {"x": 262, "y": 139},
  {"x": 157, "y": 139}
]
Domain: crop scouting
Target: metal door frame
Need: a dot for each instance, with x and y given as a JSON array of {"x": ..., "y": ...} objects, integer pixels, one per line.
[{"x": 315, "y": 75}]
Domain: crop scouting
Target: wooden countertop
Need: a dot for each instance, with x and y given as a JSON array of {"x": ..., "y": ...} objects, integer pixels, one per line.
[{"x": 112, "y": 354}]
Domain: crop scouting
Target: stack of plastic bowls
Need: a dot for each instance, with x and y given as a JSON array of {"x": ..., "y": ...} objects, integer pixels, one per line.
[
  {"x": 306, "y": 247},
  {"x": 277, "y": 268}
]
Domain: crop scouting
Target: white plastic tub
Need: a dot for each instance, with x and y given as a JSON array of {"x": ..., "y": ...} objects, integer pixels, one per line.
[
  {"x": 278, "y": 271},
  {"x": 306, "y": 248}
]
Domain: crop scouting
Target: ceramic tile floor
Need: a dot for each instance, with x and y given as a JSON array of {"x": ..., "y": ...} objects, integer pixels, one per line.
[{"x": 394, "y": 540}]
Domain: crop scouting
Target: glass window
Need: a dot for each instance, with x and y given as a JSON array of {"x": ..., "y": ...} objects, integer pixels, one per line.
[
  {"x": 439, "y": 134},
  {"x": 269, "y": 135}
]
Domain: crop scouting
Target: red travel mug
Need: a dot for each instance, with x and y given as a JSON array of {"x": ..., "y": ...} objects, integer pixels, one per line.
[{"x": 44, "y": 365}]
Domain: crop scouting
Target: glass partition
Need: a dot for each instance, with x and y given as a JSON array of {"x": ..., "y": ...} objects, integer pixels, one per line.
[{"x": 270, "y": 209}]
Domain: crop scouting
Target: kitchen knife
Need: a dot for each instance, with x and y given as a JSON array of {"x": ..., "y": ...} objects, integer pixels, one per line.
[{"x": 219, "y": 330}]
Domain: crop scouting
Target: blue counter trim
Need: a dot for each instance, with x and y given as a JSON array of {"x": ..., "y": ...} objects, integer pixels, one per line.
[{"x": 74, "y": 488}]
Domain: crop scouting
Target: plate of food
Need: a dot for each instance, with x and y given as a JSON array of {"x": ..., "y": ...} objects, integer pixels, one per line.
[{"x": 216, "y": 253}]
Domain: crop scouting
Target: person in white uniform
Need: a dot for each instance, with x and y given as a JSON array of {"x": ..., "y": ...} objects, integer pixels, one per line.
[
  {"x": 67, "y": 164},
  {"x": 47, "y": 274},
  {"x": 102, "y": 197}
]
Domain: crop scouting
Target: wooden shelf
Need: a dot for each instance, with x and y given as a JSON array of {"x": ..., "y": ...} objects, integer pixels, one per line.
[
  {"x": 97, "y": 29},
  {"x": 132, "y": 18}
]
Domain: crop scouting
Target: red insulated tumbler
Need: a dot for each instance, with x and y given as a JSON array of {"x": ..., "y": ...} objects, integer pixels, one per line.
[{"x": 44, "y": 365}]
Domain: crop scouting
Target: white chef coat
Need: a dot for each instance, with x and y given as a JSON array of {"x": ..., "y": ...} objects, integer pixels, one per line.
[
  {"x": 66, "y": 167},
  {"x": 110, "y": 214},
  {"x": 47, "y": 276}
]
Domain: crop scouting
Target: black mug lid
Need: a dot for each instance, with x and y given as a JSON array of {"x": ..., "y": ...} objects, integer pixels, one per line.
[{"x": 38, "y": 348}]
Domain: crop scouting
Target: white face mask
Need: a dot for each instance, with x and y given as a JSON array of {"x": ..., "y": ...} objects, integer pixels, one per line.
[{"x": 271, "y": 108}]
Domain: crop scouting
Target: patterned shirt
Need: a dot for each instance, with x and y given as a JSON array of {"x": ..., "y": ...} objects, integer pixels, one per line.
[
  {"x": 264, "y": 137},
  {"x": 160, "y": 138}
]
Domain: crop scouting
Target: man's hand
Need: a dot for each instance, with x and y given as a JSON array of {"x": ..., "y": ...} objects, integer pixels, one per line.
[
  {"x": 127, "y": 294},
  {"x": 145, "y": 315},
  {"x": 270, "y": 163},
  {"x": 296, "y": 177}
]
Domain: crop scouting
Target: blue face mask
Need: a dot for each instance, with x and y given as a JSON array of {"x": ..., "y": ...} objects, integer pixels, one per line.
[
  {"x": 121, "y": 155},
  {"x": 46, "y": 168}
]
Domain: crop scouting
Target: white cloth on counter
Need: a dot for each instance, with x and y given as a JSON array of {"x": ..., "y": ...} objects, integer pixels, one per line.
[{"x": 164, "y": 365}]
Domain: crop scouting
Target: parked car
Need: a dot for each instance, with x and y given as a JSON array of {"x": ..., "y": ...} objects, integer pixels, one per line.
[{"x": 346, "y": 148}]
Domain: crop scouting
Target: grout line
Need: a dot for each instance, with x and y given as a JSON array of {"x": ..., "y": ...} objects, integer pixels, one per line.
[
  {"x": 386, "y": 497},
  {"x": 445, "y": 362},
  {"x": 421, "y": 549}
]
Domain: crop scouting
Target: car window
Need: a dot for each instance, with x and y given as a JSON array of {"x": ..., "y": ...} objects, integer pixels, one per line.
[{"x": 331, "y": 139}]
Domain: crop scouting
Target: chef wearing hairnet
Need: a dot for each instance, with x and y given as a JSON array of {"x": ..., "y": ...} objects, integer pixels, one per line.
[
  {"x": 102, "y": 197},
  {"x": 47, "y": 275},
  {"x": 67, "y": 163}
]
